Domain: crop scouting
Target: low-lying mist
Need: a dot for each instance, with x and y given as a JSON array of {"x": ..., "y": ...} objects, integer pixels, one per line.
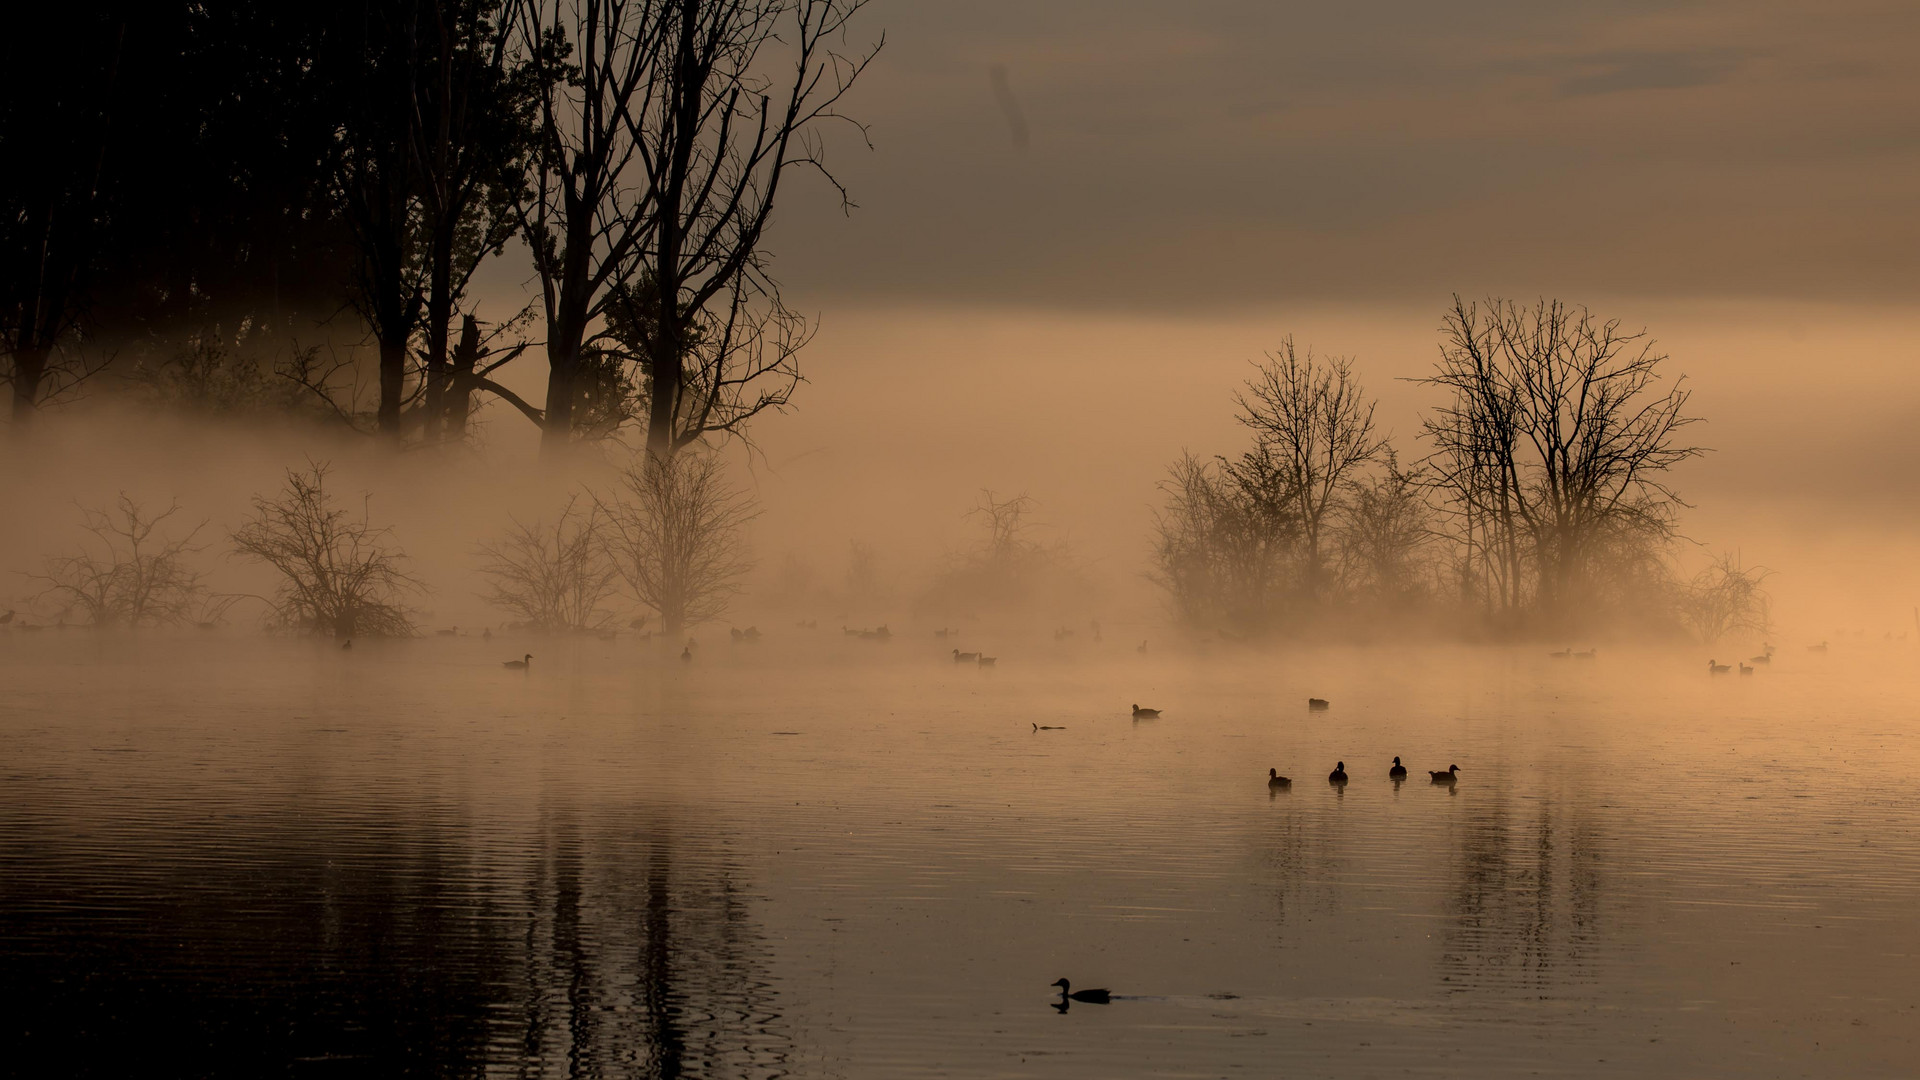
[{"x": 871, "y": 498}]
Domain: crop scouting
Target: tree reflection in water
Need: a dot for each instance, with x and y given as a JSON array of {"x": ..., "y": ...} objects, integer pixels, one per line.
[{"x": 411, "y": 944}]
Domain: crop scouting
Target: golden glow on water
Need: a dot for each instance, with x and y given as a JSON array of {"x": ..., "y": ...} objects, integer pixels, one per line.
[{"x": 825, "y": 856}]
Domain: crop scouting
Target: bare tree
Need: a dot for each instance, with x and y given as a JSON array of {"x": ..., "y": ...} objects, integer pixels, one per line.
[
  {"x": 1226, "y": 542},
  {"x": 55, "y": 121},
  {"x": 1314, "y": 423},
  {"x": 554, "y": 577},
  {"x": 664, "y": 130},
  {"x": 132, "y": 573},
  {"x": 337, "y": 573},
  {"x": 1556, "y": 441},
  {"x": 1726, "y": 598},
  {"x": 676, "y": 534},
  {"x": 1385, "y": 535}
]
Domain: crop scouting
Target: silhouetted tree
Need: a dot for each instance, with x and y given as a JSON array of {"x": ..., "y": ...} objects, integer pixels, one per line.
[
  {"x": 1226, "y": 542},
  {"x": 554, "y": 577},
  {"x": 61, "y": 69},
  {"x": 1726, "y": 598},
  {"x": 1385, "y": 536},
  {"x": 1314, "y": 424},
  {"x": 337, "y": 574},
  {"x": 676, "y": 534},
  {"x": 663, "y": 130},
  {"x": 1555, "y": 442},
  {"x": 132, "y": 573}
]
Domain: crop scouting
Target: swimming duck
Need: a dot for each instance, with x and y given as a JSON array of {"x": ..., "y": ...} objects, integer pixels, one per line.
[
  {"x": 1588, "y": 655},
  {"x": 965, "y": 657},
  {"x": 1447, "y": 777},
  {"x": 519, "y": 665},
  {"x": 1274, "y": 779},
  {"x": 1145, "y": 714},
  {"x": 686, "y": 654},
  {"x": 988, "y": 661},
  {"x": 1398, "y": 772},
  {"x": 1718, "y": 669},
  {"x": 1049, "y": 727},
  {"x": 347, "y": 644},
  {"x": 1562, "y": 654},
  {"x": 1339, "y": 773},
  {"x": 1318, "y": 703},
  {"x": 1091, "y": 997},
  {"x": 1745, "y": 669}
]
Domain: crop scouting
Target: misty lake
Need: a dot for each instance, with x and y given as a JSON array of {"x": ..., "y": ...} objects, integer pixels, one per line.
[{"x": 819, "y": 856}]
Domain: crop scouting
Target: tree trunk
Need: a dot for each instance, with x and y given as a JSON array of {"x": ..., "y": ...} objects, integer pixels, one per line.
[
  {"x": 29, "y": 368},
  {"x": 439, "y": 329},
  {"x": 459, "y": 394},
  {"x": 393, "y": 369}
]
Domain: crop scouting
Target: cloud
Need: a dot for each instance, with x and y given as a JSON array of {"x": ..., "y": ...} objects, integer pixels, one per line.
[{"x": 1615, "y": 73}]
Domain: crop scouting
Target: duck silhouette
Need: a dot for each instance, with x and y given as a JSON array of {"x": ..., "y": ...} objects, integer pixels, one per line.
[
  {"x": 1718, "y": 669},
  {"x": 1339, "y": 773},
  {"x": 1448, "y": 777},
  {"x": 1274, "y": 779},
  {"x": 965, "y": 657},
  {"x": 347, "y": 644},
  {"x": 988, "y": 661},
  {"x": 519, "y": 665},
  {"x": 686, "y": 654},
  {"x": 1091, "y": 997},
  {"x": 1145, "y": 714},
  {"x": 1746, "y": 669},
  {"x": 1316, "y": 704},
  {"x": 1398, "y": 772}
]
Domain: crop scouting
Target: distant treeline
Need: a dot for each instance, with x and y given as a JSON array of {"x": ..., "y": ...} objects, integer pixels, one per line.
[
  {"x": 1538, "y": 499},
  {"x": 226, "y": 204}
]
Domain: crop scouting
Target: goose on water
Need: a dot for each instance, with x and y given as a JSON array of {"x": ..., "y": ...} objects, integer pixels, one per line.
[
  {"x": 965, "y": 657},
  {"x": 988, "y": 661},
  {"x": 1745, "y": 669},
  {"x": 1318, "y": 703},
  {"x": 1562, "y": 654},
  {"x": 519, "y": 665},
  {"x": 1339, "y": 773},
  {"x": 1718, "y": 669},
  {"x": 1398, "y": 772},
  {"x": 1274, "y": 779},
  {"x": 1049, "y": 727},
  {"x": 1091, "y": 997},
  {"x": 1448, "y": 777},
  {"x": 1145, "y": 714}
]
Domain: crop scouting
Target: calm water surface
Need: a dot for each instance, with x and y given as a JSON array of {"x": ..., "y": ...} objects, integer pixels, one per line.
[{"x": 826, "y": 857}]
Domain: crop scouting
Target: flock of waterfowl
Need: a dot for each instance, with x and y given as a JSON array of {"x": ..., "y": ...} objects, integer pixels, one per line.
[{"x": 1338, "y": 776}]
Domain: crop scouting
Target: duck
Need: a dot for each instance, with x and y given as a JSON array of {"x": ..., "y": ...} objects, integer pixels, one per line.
[
  {"x": 1562, "y": 654},
  {"x": 686, "y": 654},
  {"x": 1588, "y": 655},
  {"x": 1763, "y": 658},
  {"x": 1339, "y": 773},
  {"x": 1274, "y": 779},
  {"x": 1746, "y": 669},
  {"x": 988, "y": 661},
  {"x": 1448, "y": 777},
  {"x": 1049, "y": 727},
  {"x": 1398, "y": 772},
  {"x": 1091, "y": 997},
  {"x": 1718, "y": 669},
  {"x": 347, "y": 645},
  {"x": 519, "y": 665},
  {"x": 1318, "y": 703},
  {"x": 965, "y": 657},
  {"x": 1145, "y": 714}
]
